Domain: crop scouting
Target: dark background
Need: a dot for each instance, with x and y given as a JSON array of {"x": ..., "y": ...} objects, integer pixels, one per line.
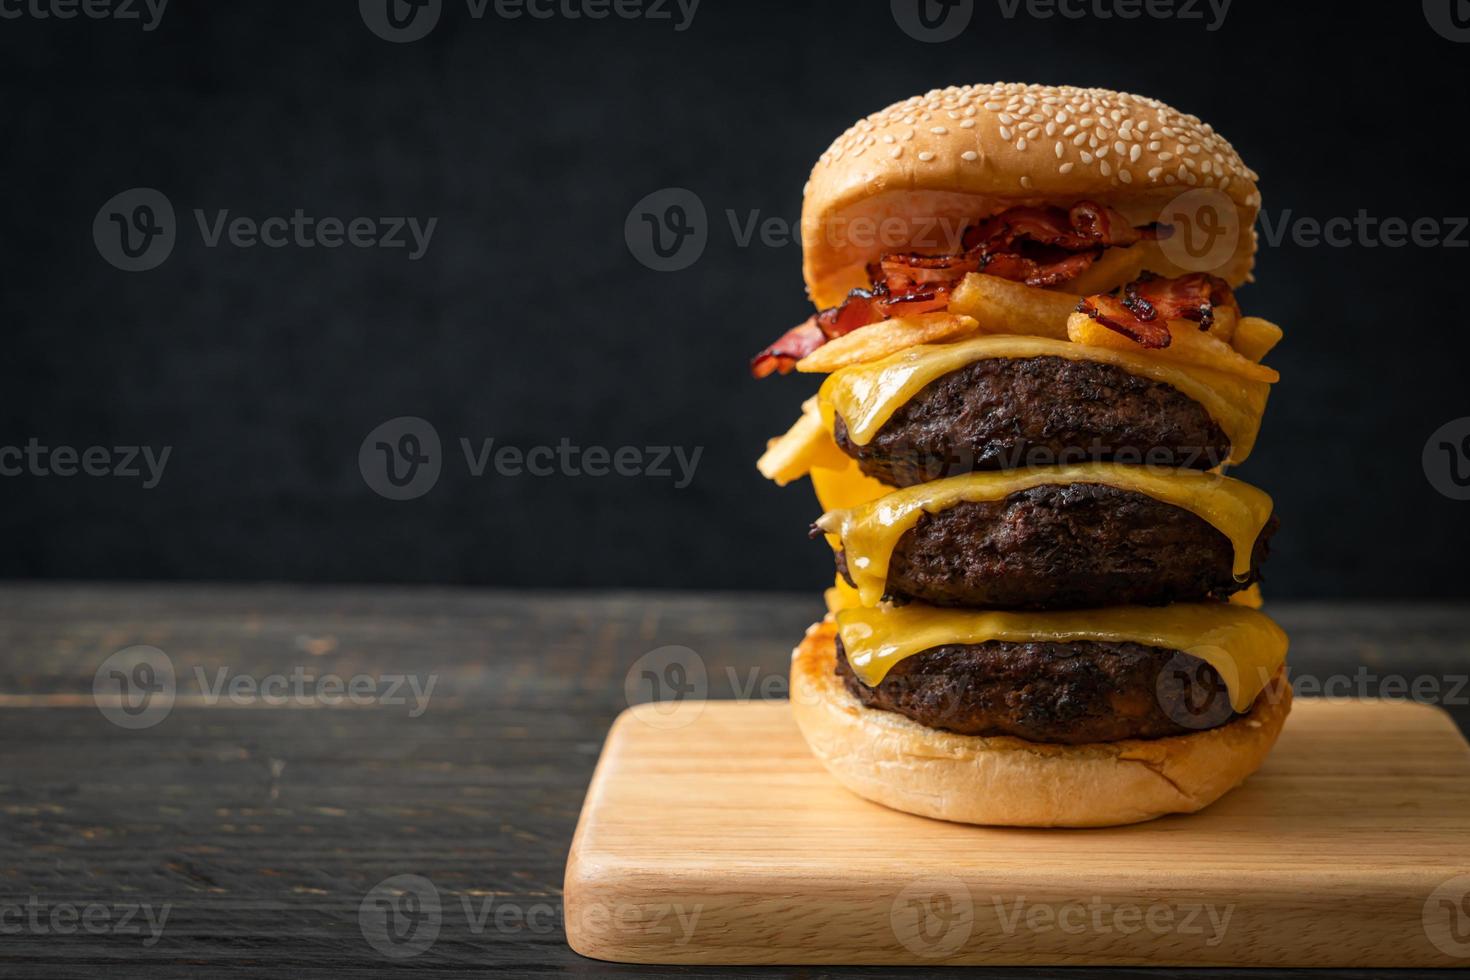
[{"x": 529, "y": 320}]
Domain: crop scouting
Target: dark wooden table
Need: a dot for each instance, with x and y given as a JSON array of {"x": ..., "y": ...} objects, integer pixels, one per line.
[{"x": 261, "y": 831}]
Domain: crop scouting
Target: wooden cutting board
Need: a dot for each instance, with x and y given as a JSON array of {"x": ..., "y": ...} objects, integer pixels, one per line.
[{"x": 710, "y": 835}]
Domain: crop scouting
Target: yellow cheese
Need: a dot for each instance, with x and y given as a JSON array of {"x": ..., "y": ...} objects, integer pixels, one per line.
[
  {"x": 867, "y": 395},
  {"x": 841, "y": 596},
  {"x": 845, "y": 486},
  {"x": 806, "y": 444},
  {"x": 870, "y": 531},
  {"x": 1246, "y": 647},
  {"x": 1251, "y": 598}
]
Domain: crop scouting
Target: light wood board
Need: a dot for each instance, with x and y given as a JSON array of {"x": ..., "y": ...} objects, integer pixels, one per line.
[{"x": 710, "y": 835}]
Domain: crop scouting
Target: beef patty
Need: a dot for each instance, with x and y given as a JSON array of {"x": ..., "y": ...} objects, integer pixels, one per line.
[
  {"x": 1065, "y": 547},
  {"x": 1003, "y": 413},
  {"x": 1050, "y": 692}
]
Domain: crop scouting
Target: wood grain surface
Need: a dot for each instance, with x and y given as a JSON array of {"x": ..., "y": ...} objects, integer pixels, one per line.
[
  {"x": 265, "y": 830},
  {"x": 1350, "y": 847}
]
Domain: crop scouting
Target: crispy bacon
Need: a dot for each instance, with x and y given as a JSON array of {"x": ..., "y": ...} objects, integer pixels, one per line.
[
  {"x": 1143, "y": 310},
  {"x": 900, "y": 273},
  {"x": 791, "y": 347},
  {"x": 914, "y": 302},
  {"x": 859, "y": 309},
  {"x": 1037, "y": 272},
  {"x": 1087, "y": 225},
  {"x": 1039, "y": 246}
]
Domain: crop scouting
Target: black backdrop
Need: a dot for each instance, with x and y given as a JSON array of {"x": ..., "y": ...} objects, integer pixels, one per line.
[{"x": 529, "y": 320}]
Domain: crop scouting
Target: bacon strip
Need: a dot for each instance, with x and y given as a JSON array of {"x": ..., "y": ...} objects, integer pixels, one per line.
[
  {"x": 1087, "y": 225},
  {"x": 789, "y": 348},
  {"x": 1143, "y": 311},
  {"x": 858, "y": 310},
  {"x": 1039, "y": 246}
]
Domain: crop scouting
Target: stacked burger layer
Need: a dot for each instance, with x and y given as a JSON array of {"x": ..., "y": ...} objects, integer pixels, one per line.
[{"x": 1037, "y": 374}]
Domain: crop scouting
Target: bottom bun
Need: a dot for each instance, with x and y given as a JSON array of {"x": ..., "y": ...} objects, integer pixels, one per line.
[{"x": 1007, "y": 781}]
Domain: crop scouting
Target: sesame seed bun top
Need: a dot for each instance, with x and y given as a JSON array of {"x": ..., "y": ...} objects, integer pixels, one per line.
[{"x": 910, "y": 177}]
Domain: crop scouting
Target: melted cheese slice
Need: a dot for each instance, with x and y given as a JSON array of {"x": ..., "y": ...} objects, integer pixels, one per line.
[
  {"x": 841, "y": 596},
  {"x": 1246, "y": 647},
  {"x": 867, "y": 395},
  {"x": 870, "y": 531}
]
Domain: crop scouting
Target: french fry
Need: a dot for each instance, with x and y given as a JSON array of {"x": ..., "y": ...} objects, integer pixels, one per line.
[
  {"x": 1188, "y": 345},
  {"x": 878, "y": 340},
  {"x": 1001, "y": 306},
  {"x": 1226, "y": 322},
  {"x": 789, "y": 457},
  {"x": 1255, "y": 337},
  {"x": 1115, "y": 268}
]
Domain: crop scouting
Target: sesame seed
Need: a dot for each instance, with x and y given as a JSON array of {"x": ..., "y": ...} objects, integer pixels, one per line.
[
  {"x": 1100, "y": 124},
  {"x": 1026, "y": 182},
  {"x": 926, "y": 156}
]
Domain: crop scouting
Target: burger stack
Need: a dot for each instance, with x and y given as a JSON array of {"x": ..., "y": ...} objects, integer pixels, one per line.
[{"x": 1037, "y": 373}]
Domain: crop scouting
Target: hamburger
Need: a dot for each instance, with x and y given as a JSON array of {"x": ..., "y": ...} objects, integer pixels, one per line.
[{"x": 1045, "y": 610}]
